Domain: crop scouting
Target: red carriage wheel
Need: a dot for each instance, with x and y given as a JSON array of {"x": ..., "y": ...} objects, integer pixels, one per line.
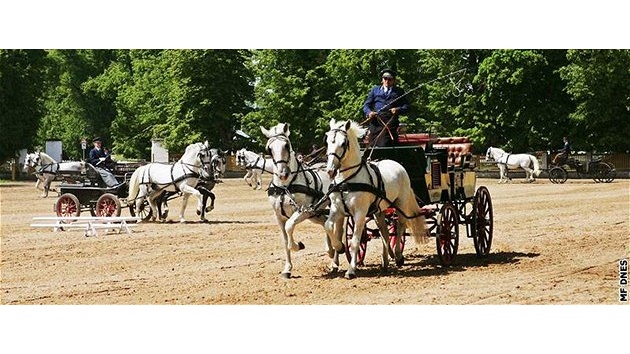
[
  {"x": 107, "y": 205},
  {"x": 362, "y": 243},
  {"x": 67, "y": 205},
  {"x": 483, "y": 221},
  {"x": 447, "y": 238}
]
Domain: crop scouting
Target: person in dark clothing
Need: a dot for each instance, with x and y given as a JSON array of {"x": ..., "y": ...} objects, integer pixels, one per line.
[
  {"x": 563, "y": 154},
  {"x": 382, "y": 107},
  {"x": 101, "y": 160}
]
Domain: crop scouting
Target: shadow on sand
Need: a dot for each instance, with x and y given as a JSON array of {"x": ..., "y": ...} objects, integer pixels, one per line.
[{"x": 423, "y": 265}]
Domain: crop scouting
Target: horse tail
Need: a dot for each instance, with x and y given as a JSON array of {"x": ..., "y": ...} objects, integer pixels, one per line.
[
  {"x": 536, "y": 165},
  {"x": 134, "y": 186},
  {"x": 416, "y": 220}
]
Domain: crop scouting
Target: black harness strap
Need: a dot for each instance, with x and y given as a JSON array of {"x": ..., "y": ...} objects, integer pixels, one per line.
[{"x": 293, "y": 188}]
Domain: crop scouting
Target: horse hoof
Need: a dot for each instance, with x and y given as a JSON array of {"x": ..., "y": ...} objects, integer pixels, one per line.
[
  {"x": 301, "y": 245},
  {"x": 342, "y": 250},
  {"x": 400, "y": 262},
  {"x": 350, "y": 275},
  {"x": 198, "y": 212},
  {"x": 209, "y": 209},
  {"x": 286, "y": 275}
]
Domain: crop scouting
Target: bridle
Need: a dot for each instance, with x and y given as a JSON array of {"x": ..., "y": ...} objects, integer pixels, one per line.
[
  {"x": 287, "y": 148},
  {"x": 345, "y": 146}
]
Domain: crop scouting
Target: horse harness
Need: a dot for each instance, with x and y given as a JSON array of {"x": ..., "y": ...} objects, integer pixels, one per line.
[
  {"x": 187, "y": 174},
  {"x": 43, "y": 169},
  {"x": 377, "y": 188},
  {"x": 312, "y": 189}
]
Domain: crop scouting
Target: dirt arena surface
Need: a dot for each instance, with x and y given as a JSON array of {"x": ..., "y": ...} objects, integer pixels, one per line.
[{"x": 553, "y": 244}]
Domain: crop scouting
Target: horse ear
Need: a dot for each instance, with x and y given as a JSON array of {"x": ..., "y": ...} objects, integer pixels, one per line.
[
  {"x": 348, "y": 125},
  {"x": 265, "y": 131},
  {"x": 285, "y": 129},
  {"x": 332, "y": 123}
]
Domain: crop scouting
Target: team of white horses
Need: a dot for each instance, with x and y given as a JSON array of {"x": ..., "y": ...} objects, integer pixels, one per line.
[{"x": 327, "y": 193}]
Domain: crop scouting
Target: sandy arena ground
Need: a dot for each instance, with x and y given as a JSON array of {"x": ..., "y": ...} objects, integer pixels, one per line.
[{"x": 553, "y": 244}]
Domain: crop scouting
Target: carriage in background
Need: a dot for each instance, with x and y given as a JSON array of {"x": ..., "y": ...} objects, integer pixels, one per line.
[
  {"x": 595, "y": 168},
  {"x": 90, "y": 193},
  {"x": 443, "y": 178}
]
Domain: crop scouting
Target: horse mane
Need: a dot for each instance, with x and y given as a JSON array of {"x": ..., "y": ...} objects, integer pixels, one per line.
[{"x": 355, "y": 131}]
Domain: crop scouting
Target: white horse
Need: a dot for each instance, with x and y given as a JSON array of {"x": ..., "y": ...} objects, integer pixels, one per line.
[
  {"x": 508, "y": 161},
  {"x": 293, "y": 189},
  {"x": 255, "y": 166},
  {"x": 152, "y": 180},
  {"x": 362, "y": 188},
  {"x": 209, "y": 176},
  {"x": 47, "y": 169}
]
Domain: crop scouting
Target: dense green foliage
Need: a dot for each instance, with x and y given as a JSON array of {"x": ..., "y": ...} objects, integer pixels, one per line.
[
  {"x": 521, "y": 100},
  {"x": 22, "y": 75}
]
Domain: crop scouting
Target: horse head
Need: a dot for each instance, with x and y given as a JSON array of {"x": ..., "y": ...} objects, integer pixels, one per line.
[
  {"x": 240, "y": 158},
  {"x": 342, "y": 144},
  {"x": 489, "y": 154},
  {"x": 31, "y": 161},
  {"x": 279, "y": 147},
  {"x": 218, "y": 163}
]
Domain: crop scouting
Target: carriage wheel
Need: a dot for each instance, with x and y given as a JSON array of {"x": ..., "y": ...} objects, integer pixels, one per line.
[
  {"x": 447, "y": 238},
  {"x": 392, "y": 226},
  {"x": 362, "y": 243},
  {"x": 67, "y": 205},
  {"x": 604, "y": 173},
  {"x": 483, "y": 221},
  {"x": 558, "y": 175},
  {"x": 107, "y": 205},
  {"x": 144, "y": 213}
]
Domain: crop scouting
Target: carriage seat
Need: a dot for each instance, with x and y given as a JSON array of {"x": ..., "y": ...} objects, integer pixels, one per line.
[
  {"x": 459, "y": 151},
  {"x": 416, "y": 139},
  {"x": 93, "y": 176}
]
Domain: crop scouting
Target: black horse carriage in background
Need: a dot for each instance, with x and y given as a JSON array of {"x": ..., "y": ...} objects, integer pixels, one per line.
[
  {"x": 443, "y": 179},
  {"x": 90, "y": 193},
  {"x": 595, "y": 168}
]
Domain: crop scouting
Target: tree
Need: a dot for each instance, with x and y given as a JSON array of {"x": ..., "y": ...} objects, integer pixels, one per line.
[
  {"x": 599, "y": 83},
  {"x": 73, "y": 111},
  {"x": 22, "y": 77},
  {"x": 180, "y": 96},
  {"x": 288, "y": 85}
]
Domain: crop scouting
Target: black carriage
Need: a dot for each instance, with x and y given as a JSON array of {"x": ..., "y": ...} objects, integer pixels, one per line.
[
  {"x": 443, "y": 178},
  {"x": 597, "y": 169},
  {"x": 90, "y": 193}
]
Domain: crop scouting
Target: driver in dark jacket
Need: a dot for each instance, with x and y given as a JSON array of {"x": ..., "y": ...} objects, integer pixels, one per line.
[
  {"x": 382, "y": 107},
  {"x": 101, "y": 160}
]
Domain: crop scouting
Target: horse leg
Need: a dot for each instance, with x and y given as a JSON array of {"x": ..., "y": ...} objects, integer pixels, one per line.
[
  {"x": 258, "y": 179},
  {"x": 47, "y": 182},
  {"x": 152, "y": 203},
  {"x": 529, "y": 174},
  {"x": 359, "y": 226},
  {"x": 387, "y": 250},
  {"x": 288, "y": 265},
  {"x": 211, "y": 207},
  {"x": 289, "y": 227},
  {"x": 187, "y": 191},
  {"x": 334, "y": 230},
  {"x": 247, "y": 176}
]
